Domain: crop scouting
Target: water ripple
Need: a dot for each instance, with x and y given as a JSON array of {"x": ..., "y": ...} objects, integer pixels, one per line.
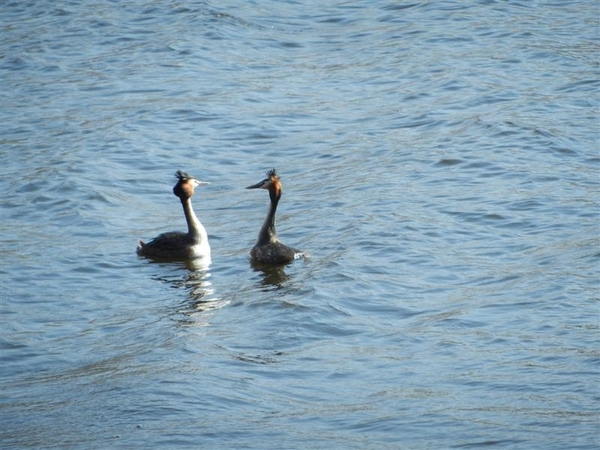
[{"x": 439, "y": 162}]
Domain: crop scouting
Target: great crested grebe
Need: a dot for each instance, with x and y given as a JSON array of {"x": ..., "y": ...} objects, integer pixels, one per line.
[
  {"x": 175, "y": 244},
  {"x": 268, "y": 249}
]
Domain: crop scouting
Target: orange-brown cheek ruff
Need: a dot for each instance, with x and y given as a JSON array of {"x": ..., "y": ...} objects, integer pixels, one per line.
[
  {"x": 183, "y": 189},
  {"x": 187, "y": 189},
  {"x": 275, "y": 189}
]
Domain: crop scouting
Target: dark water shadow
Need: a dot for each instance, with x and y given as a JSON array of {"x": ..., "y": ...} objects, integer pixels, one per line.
[{"x": 271, "y": 275}]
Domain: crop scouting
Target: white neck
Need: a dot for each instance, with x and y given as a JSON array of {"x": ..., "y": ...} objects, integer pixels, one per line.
[{"x": 195, "y": 229}]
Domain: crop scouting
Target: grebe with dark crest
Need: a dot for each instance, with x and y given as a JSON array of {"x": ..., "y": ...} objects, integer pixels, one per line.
[
  {"x": 268, "y": 249},
  {"x": 175, "y": 244}
]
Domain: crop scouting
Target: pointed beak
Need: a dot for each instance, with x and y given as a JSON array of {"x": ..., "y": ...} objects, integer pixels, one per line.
[
  {"x": 257, "y": 185},
  {"x": 202, "y": 183}
]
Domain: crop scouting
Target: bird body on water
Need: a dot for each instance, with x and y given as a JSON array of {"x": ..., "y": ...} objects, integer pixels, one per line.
[
  {"x": 268, "y": 249},
  {"x": 176, "y": 244}
]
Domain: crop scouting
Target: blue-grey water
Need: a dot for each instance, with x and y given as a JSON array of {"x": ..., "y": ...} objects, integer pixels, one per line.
[{"x": 440, "y": 162}]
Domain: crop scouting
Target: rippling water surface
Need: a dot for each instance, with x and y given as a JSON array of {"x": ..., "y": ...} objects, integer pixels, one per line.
[{"x": 440, "y": 162}]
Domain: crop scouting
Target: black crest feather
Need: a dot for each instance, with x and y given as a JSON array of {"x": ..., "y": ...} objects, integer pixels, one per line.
[
  {"x": 272, "y": 172},
  {"x": 182, "y": 176}
]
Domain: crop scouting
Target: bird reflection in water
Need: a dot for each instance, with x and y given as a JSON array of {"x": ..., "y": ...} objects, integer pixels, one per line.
[
  {"x": 201, "y": 293},
  {"x": 272, "y": 276},
  {"x": 201, "y": 296}
]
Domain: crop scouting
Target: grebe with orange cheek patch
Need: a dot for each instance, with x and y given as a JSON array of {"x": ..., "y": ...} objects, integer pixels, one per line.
[
  {"x": 176, "y": 244},
  {"x": 268, "y": 249}
]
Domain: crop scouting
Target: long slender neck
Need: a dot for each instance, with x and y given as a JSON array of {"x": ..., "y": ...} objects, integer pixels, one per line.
[
  {"x": 267, "y": 232},
  {"x": 195, "y": 229}
]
